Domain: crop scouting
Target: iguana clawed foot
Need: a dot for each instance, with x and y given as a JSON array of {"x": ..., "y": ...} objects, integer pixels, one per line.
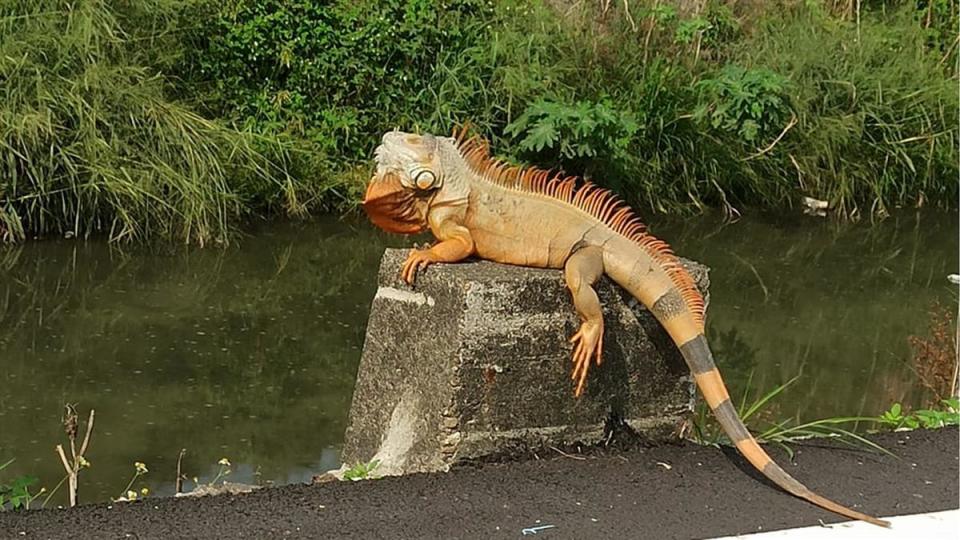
[
  {"x": 588, "y": 344},
  {"x": 456, "y": 247},
  {"x": 417, "y": 260}
]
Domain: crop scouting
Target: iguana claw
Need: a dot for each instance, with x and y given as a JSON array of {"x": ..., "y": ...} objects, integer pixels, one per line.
[
  {"x": 589, "y": 344},
  {"x": 417, "y": 260}
]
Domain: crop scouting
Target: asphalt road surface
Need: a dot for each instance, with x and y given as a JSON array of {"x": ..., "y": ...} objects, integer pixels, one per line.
[{"x": 679, "y": 491}]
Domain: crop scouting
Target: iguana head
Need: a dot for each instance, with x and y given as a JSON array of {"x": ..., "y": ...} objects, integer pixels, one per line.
[{"x": 409, "y": 176}]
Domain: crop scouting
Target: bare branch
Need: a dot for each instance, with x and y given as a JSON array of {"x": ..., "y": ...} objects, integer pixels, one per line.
[
  {"x": 179, "y": 483},
  {"x": 790, "y": 124},
  {"x": 63, "y": 459},
  {"x": 86, "y": 436}
]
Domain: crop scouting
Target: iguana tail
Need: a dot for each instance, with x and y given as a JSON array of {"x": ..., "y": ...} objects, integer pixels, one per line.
[
  {"x": 700, "y": 360},
  {"x": 668, "y": 290},
  {"x": 686, "y": 329}
]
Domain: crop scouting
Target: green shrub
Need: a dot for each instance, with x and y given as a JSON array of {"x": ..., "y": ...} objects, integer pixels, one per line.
[
  {"x": 749, "y": 104},
  {"x": 335, "y": 73},
  {"x": 16, "y": 494},
  {"x": 948, "y": 414},
  {"x": 587, "y": 135},
  {"x": 361, "y": 471}
]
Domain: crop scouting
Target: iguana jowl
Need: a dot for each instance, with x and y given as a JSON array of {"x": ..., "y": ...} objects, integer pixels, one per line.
[{"x": 475, "y": 205}]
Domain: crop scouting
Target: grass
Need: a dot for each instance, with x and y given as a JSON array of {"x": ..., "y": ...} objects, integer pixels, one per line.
[
  {"x": 707, "y": 430},
  {"x": 361, "y": 471},
  {"x": 94, "y": 144},
  {"x": 876, "y": 110},
  {"x": 844, "y": 429}
]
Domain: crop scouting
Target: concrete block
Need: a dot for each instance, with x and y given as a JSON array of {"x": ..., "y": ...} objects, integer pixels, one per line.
[{"x": 474, "y": 361}]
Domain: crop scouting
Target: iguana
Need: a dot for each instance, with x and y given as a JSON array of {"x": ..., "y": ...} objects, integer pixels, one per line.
[{"x": 477, "y": 206}]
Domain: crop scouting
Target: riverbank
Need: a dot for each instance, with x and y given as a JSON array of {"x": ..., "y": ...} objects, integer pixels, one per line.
[
  {"x": 111, "y": 127},
  {"x": 678, "y": 491}
]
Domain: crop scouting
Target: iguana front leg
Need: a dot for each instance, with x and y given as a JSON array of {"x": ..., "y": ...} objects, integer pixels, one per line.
[
  {"x": 455, "y": 244},
  {"x": 581, "y": 271}
]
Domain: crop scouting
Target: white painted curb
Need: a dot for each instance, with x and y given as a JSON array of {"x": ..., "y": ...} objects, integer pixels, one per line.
[{"x": 930, "y": 526}]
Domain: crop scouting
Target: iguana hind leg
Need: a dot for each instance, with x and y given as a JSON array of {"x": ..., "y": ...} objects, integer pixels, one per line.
[{"x": 581, "y": 271}]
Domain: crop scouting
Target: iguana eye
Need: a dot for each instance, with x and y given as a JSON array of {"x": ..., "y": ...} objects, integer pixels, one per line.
[{"x": 425, "y": 180}]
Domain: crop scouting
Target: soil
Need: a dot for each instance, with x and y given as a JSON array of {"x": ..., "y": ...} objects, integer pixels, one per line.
[{"x": 678, "y": 491}]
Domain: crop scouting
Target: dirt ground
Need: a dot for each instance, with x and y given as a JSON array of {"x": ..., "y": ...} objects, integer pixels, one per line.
[{"x": 680, "y": 491}]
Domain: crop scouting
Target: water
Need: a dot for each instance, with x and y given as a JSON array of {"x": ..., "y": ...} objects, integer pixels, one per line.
[{"x": 250, "y": 353}]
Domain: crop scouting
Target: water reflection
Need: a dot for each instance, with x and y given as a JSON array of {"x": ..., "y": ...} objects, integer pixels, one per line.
[
  {"x": 251, "y": 352},
  {"x": 833, "y": 303},
  {"x": 248, "y": 353}
]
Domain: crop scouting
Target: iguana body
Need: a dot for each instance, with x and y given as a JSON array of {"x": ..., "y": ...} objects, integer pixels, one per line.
[{"x": 476, "y": 206}]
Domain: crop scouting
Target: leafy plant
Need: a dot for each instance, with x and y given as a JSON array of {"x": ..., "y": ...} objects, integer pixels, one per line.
[
  {"x": 336, "y": 73},
  {"x": 751, "y": 103},
  {"x": 577, "y": 133},
  {"x": 223, "y": 470},
  {"x": 934, "y": 354},
  {"x": 723, "y": 26},
  {"x": 361, "y": 471},
  {"x": 948, "y": 415},
  {"x": 688, "y": 30},
  {"x": 16, "y": 494},
  {"x": 939, "y": 19},
  {"x": 662, "y": 13},
  {"x": 139, "y": 469}
]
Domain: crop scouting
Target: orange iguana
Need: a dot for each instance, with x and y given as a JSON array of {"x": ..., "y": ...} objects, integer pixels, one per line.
[{"x": 475, "y": 205}]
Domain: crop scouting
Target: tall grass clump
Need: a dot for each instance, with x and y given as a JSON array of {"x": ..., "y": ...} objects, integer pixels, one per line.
[
  {"x": 92, "y": 143},
  {"x": 876, "y": 106}
]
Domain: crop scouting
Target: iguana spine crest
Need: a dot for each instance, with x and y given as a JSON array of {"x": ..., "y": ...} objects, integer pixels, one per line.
[{"x": 601, "y": 204}]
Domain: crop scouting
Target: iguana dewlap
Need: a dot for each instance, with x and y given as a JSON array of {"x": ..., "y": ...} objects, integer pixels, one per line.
[{"x": 475, "y": 205}]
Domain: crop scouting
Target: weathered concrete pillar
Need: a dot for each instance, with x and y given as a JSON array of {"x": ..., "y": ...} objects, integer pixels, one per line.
[{"x": 475, "y": 361}]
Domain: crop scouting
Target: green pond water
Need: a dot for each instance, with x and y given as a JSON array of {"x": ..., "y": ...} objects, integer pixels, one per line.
[{"x": 251, "y": 352}]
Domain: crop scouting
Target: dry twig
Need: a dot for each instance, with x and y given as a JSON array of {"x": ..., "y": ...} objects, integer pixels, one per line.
[
  {"x": 790, "y": 124},
  {"x": 77, "y": 461},
  {"x": 565, "y": 454},
  {"x": 179, "y": 483}
]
